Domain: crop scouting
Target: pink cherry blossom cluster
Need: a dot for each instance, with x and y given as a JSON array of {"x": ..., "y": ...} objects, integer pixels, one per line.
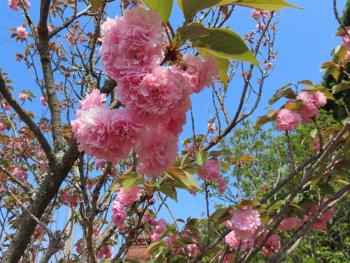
[
  {"x": 125, "y": 198},
  {"x": 192, "y": 250},
  {"x": 287, "y": 120},
  {"x": 20, "y": 173},
  {"x": 14, "y": 4},
  {"x": 257, "y": 14},
  {"x": 211, "y": 172},
  {"x": 158, "y": 229},
  {"x": 21, "y": 33},
  {"x": 156, "y": 98},
  {"x": 246, "y": 225}
]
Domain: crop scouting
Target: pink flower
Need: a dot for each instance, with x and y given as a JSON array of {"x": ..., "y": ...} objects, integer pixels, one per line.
[
  {"x": 161, "y": 95},
  {"x": 3, "y": 126},
  {"x": 158, "y": 230},
  {"x": 199, "y": 72},
  {"x": 20, "y": 173},
  {"x": 21, "y": 32},
  {"x": 261, "y": 26},
  {"x": 69, "y": 199},
  {"x": 222, "y": 185},
  {"x": 245, "y": 222},
  {"x": 100, "y": 163},
  {"x": 39, "y": 230},
  {"x": 105, "y": 252},
  {"x": 320, "y": 99},
  {"x": 131, "y": 44},
  {"x": 43, "y": 101},
  {"x": 308, "y": 111},
  {"x": 272, "y": 245},
  {"x": 255, "y": 13},
  {"x": 175, "y": 125},
  {"x": 106, "y": 134},
  {"x": 287, "y": 120},
  {"x": 193, "y": 250},
  {"x": 290, "y": 223},
  {"x": 247, "y": 243},
  {"x": 72, "y": 39},
  {"x": 23, "y": 96},
  {"x": 157, "y": 152},
  {"x": 95, "y": 98},
  {"x": 44, "y": 125},
  {"x": 14, "y": 5},
  {"x": 49, "y": 28},
  {"x": 211, "y": 126},
  {"x": 6, "y": 106},
  {"x": 118, "y": 214},
  {"x": 316, "y": 145},
  {"x": 211, "y": 170},
  {"x": 321, "y": 222},
  {"x": 232, "y": 240},
  {"x": 129, "y": 196}
]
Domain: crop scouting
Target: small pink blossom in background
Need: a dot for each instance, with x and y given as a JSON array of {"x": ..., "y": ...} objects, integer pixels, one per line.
[
  {"x": 100, "y": 163},
  {"x": 158, "y": 230},
  {"x": 21, "y": 32},
  {"x": 245, "y": 222},
  {"x": 6, "y": 106},
  {"x": 188, "y": 148},
  {"x": 44, "y": 125},
  {"x": 316, "y": 145},
  {"x": 317, "y": 98},
  {"x": 193, "y": 250},
  {"x": 247, "y": 243},
  {"x": 256, "y": 13},
  {"x": 222, "y": 185},
  {"x": 211, "y": 170},
  {"x": 39, "y": 230},
  {"x": 43, "y": 101},
  {"x": 61, "y": 244},
  {"x": 69, "y": 199},
  {"x": 199, "y": 72},
  {"x": 106, "y": 134},
  {"x": 129, "y": 196},
  {"x": 49, "y": 28},
  {"x": 72, "y": 40},
  {"x": 268, "y": 65},
  {"x": 14, "y": 5},
  {"x": 131, "y": 44},
  {"x": 320, "y": 223},
  {"x": 118, "y": 214},
  {"x": 20, "y": 173},
  {"x": 261, "y": 26},
  {"x": 272, "y": 245},
  {"x": 157, "y": 152},
  {"x": 161, "y": 95},
  {"x": 290, "y": 223},
  {"x": 105, "y": 252},
  {"x": 211, "y": 126},
  {"x": 228, "y": 258},
  {"x": 287, "y": 120},
  {"x": 95, "y": 98},
  {"x": 23, "y": 96},
  {"x": 3, "y": 126}
]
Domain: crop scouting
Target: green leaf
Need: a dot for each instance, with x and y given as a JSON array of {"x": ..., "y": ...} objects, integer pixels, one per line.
[
  {"x": 95, "y": 5},
  {"x": 262, "y": 120},
  {"x": 163, "y": 7},
  {"x": 154, "y": 247},
  {"x": 190, "y": 7},
  {"x": 284, "y": 91},
  {"x": 260, "y": 4},
  {"x": 167, "y": 187},
  {"x": 190, "y": 31},
  {"x": 182, "y": 177},
  {"x": 201, "y": 158},
  {"x": 226, "y": 44}
]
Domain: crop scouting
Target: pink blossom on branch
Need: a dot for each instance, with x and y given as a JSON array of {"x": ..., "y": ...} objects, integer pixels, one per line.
[
  {"x": 160, "y": 96},
  {"x": 21, "y": 32},
  {"x": 321, "y": 222},
  {"x": 245, "y": 222},
  {"x": 199, "y": 72},
  {"x": 287, "y": 120},
  {"x": 93, "y": 99},
  {"x": 129, "y": 196},
  {"x": 211, "y": 170},
  {"x": 157, "y": 151},
  {"x": 106, "y": 134},
  {"x": 14, "y": 4},
  {"x": 290, "y": 223},
  {"x": 23, "y": 96},
  {"x": 131, "y": 44}
]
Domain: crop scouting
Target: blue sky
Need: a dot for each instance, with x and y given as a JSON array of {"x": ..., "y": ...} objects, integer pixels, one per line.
[{"x": 304, "y": 41}]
